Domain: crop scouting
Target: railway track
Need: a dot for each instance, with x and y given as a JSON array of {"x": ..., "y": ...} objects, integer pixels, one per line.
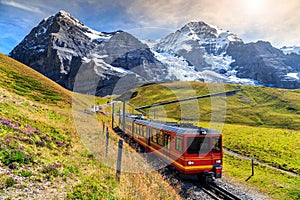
[{"x": 217, "y": 192}]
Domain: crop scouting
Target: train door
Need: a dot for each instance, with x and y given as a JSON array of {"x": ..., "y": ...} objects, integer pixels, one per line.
[
  {"x": 148, "y": 136},
  {"x": 167, "y": 144},
  {"x": 132, "y": 129}
]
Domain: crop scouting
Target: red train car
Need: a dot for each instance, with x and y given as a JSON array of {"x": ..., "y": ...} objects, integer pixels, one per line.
[{"x": 191, "y": 150}]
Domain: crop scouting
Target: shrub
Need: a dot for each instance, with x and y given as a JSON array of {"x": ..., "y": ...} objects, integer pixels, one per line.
[
  {"x": 12, "y": 156},
  {"x": 10, "y": 182}
]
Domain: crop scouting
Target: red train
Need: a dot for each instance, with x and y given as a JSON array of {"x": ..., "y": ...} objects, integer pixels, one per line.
[{"x": 191, "y": 150}]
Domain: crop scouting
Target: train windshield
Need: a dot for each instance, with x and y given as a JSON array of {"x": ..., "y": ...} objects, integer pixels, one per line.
[{"x": 198, "y": 145}]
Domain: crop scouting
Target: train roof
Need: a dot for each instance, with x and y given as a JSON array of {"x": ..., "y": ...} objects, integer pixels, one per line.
[{"x": 175, "y": 128}]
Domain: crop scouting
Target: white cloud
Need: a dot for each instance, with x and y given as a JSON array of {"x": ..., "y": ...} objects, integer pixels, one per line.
[
  {"x": 21, "y": 6},
  {"x": 274, "y": 20}
]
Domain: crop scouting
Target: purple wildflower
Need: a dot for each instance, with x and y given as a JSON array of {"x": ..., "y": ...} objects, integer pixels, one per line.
[
  {"x": 28, "y": 140},
  {"x": 6, "y": 140},
  {"x": 44, "y": 137},
  {"x": 29, "y": 132},
  {"x": 57, "y": 165},
  {"x": 17, "y": 124},
  {"x": 5, "y": 121},
  {"x": 38, "y": 131},
  {"x": 28, "y": 126},
  {"x": 58, "y": 143}
]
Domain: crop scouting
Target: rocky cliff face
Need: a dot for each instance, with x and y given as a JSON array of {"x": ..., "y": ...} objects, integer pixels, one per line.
[
  {"x": 60, "y": 45},
  {"x": 264, "y": 63}
]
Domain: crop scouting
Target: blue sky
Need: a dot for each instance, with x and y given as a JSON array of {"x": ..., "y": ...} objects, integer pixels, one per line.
[{"x": 274, "y": 20}]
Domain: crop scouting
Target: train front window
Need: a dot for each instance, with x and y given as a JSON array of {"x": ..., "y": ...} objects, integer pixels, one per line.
[
  {"x": 216, "y": 145},
  {"x": 198, "y": 145}
]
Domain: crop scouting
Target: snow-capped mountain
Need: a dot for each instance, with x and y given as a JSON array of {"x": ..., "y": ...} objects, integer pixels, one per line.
[
  {"x": 211, "y": 39},
  {"x": 198, "y": 52},
  {"x": 61, "y": 46},
  {"x": 203, "y": 52}
]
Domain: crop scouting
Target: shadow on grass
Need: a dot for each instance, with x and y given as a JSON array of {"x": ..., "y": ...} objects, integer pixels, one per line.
[{"x": 249, "y": 178}]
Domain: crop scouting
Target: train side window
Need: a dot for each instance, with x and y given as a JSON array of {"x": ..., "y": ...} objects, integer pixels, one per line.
[
  {"x": 154, "y": 135},
  {"x": 167, "y": 139},
  {"x": 137, "y": 129},
  {"x": 216, "y": 145},
  {"x": 179, "y": 143},
  {"x": 141, "y": 130},
  {"x": 144, "y": 131},
  {"x": 160, "y": 139}
]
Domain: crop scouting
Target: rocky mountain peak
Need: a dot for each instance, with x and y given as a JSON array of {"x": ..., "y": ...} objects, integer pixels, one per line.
[
  {"x": 60, "y": 44},
  {"x": 66, "y": 19},
  {"x": 65, "y": 14},
  {"x": 201, "y": 29}
]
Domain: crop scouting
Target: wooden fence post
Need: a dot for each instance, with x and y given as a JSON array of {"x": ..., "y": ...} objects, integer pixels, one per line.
[
  {"x": 252, "y": 163},
  {"x": 103, "y": 127},
  {"x": 112, "y": 114},
  {"x": 119, "y": 161},
  {"x": 106, "y": 143},
  {"x": 123, "y": 120},
  {"x": 119, "y": 117}
]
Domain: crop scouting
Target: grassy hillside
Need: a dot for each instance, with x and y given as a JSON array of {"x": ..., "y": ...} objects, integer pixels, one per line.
[
  {"x": 255, "y": 106},
  {"x": 41, "y": 155}
]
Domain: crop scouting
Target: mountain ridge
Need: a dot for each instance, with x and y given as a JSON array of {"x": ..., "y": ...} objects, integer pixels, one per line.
[{"x": 60, "y": 45}]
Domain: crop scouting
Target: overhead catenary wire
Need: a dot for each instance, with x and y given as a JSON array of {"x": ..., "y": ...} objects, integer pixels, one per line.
[{"x": 227, "y": 93}]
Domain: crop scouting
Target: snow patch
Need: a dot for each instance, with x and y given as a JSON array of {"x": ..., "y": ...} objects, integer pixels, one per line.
[
  {"x": 40, "y": 31},
  {"x": 293, "y": 75},
  {"x": 290, "y": 50},
  {"x": 187, "y": 47},
  {"x": 102, "y": 68},
  {"x": 96, "y": 35},
  {"x": 64, "y": 49},
  {"x": 219, "y": 62}
]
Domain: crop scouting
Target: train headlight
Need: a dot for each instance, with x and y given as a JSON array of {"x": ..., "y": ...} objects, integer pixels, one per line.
[
  {"x": 190, "y": 162},
  {"x": 218, "y": 161}
]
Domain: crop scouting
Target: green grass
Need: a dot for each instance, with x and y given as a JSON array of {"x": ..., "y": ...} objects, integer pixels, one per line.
[
  {"x": 277, "y": 147},
  {"x": 37, "y": 135},
  {"x": 274, "y": 183},
  {"x": 93, "y": 188},
  {"x": 24, "y": 81}
]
